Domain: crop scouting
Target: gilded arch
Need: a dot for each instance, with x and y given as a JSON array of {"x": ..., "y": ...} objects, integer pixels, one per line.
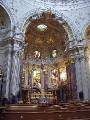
[{"x": 34, "y": 14}]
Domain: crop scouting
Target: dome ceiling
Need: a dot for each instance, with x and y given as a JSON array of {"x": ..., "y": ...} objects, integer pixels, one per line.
[{"x": 45, "y": 35}]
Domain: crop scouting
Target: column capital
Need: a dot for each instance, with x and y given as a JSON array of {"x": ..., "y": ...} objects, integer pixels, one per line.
[
  {"x": 17, "y": 34},
  {"x": 17, "y": 44}
]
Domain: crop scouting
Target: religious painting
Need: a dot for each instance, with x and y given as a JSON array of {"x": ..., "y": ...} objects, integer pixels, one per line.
[
  {"x": 54, "y": 78},
  {"x": 36, "y": 83},
  {"x": 63, "y": 74}
]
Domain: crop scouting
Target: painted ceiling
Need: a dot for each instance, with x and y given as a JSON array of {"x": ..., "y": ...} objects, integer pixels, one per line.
[{"x": 52, "y": 38}]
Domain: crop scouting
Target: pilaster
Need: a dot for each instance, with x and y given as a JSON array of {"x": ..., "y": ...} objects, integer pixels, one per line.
[
  {"x": 77, "y": 51},
  {"x": 17, "y": 47},
  {"x": 82, "y": 77}
]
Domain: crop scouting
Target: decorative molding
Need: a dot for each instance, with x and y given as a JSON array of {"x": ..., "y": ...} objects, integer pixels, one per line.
[{"x": 37, "y": 12}]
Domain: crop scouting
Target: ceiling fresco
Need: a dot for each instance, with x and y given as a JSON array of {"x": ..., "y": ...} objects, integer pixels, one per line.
[{"x": 46, "y": 37}]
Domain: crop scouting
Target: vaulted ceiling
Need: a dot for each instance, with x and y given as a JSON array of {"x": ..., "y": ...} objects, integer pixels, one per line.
[{"x": 52, "y": 38}]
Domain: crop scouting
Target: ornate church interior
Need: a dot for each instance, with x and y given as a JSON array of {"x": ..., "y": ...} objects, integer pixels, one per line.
[
  {"x": 44, "y": 64},
  {"x": 45, "y": 60}
]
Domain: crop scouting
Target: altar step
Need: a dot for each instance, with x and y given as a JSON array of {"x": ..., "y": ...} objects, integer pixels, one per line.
[{"x": 54, "y": 112}]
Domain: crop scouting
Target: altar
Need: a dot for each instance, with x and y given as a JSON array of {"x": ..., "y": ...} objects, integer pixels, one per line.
[{"x": 44, "y": 85}]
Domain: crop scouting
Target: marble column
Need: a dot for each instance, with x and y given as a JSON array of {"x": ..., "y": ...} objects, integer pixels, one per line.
[
  {"x": 78, "y": 77},
  {"x": 88, "y": 76},
  {"x": 42, "y": 83},
  {"x": 81, "y": 75},
  {"x": 7, "y": 79},
  {"x": 5, "y": 60},
  {"x": 15, "y": 71},
  {"x": 71, "y": 77},
  {"x": 15, "y": 80},
  {"x": 88, "y": 67}
]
